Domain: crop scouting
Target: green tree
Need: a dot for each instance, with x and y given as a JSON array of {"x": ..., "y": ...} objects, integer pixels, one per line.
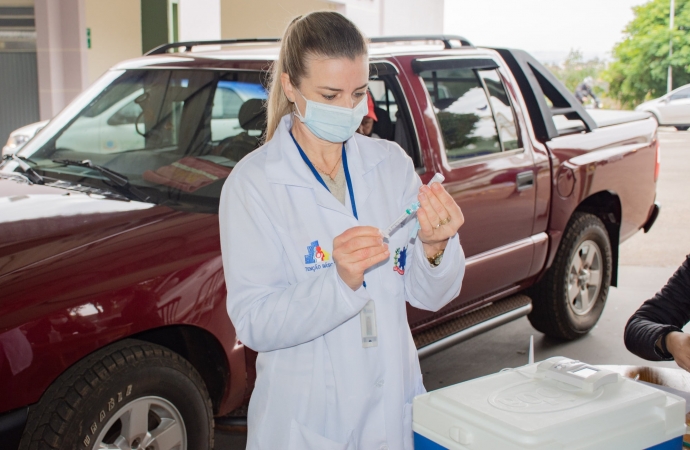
[{"x": 641, "y": 60}]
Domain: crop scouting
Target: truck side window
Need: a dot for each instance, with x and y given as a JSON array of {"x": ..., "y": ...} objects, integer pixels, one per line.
[
  {"x": 503, "y": 112},
  {"x": 463, "y": 112}
]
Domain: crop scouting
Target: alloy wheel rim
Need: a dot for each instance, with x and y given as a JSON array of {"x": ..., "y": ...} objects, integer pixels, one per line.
[
  {"x": 146, "y": 423},
  {"x": 584, "y": 278}
]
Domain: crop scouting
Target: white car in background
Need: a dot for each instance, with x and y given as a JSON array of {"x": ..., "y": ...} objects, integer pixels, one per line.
[
  {"x": 21, "y": 136},
  {"x": 672, "y": 109}
]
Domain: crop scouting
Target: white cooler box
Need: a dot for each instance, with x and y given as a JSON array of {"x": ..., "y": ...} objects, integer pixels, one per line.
[{"x": 556, "y": 404}]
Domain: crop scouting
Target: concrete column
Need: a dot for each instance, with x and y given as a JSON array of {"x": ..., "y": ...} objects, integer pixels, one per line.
[
  {"x": 199, "y": 20},
  {"x": 60, "y": 53}
]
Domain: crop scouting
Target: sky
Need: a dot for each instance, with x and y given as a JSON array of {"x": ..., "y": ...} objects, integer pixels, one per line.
[{"x": 548, "y": 29}]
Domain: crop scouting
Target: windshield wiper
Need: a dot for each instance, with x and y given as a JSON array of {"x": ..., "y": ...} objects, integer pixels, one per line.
[
  {"x": 23, "y": 158},
  {"x": 121, "y": 181},
  {"x": 30, "y": 173}
]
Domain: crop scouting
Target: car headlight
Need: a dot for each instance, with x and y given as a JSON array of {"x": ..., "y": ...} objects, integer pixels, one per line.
[
  {"x": 14, "y": 143},
  {"x": 18, "y": 140}
]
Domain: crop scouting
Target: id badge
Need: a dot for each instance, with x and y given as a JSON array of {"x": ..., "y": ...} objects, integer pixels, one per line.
[{"x": 367, "y": 317}]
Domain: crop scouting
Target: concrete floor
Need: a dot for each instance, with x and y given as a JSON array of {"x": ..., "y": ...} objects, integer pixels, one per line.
[{"x": 647, "y": 261}]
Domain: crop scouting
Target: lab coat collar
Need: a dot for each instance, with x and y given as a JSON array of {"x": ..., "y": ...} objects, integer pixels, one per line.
[{"x": 284, "y": 165}]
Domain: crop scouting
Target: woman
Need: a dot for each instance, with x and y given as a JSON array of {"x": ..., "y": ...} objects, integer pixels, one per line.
[
  {"x": 312, "y": 286},
  {"x": 655, "y": 332}
]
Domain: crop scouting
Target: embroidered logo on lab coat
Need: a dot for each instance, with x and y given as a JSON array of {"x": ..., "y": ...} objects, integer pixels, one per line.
[
  {"x": 399, "y": 260},
  {"x": 317, "y": 257}
]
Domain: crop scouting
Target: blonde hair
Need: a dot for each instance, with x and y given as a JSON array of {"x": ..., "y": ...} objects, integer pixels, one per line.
[{"x": 325, "y": 34}]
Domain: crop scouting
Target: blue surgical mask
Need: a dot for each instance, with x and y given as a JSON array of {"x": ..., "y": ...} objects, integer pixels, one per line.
[{"x": 332, "y": 123}]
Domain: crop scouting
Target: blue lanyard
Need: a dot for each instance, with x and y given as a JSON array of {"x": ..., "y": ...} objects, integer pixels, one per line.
[{"x": 320, "y": 180}]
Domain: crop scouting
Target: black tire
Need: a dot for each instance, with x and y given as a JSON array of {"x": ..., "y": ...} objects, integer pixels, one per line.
[
  {"x": 682, "y": 127},
  {"x": 76, "y": 409},
  {"x": 552, "y": 311}
]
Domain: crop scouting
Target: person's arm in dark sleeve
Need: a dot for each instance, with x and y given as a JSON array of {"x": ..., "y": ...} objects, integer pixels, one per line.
[
  {"x": 590, "y": 92},
  {"x": 667, "y": 311}
]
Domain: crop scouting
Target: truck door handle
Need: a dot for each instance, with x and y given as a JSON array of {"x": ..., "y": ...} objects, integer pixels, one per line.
[{"x": 525, "y": 180}]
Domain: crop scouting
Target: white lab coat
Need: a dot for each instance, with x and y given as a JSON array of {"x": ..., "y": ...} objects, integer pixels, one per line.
[{"x": 317, "y": 387}]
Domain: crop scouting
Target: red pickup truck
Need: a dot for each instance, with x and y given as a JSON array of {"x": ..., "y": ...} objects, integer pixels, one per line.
[{"x": 113, "y": 327}]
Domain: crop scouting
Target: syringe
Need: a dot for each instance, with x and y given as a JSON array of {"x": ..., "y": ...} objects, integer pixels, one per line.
[{"x": 412, "y": 210}]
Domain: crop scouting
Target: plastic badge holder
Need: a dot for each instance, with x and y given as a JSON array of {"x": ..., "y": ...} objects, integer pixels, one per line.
[{"x": 556, "y": 404}]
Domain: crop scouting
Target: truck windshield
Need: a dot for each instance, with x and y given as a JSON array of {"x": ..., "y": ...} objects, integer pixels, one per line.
[{"x": 175, "y": 134}]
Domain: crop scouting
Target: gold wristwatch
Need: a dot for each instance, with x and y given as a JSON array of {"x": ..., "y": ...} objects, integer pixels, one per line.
[{"x": 436, "y": 259}]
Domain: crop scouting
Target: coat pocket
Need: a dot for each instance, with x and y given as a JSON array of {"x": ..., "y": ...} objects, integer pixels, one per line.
[{"x": 302, "y": 438}]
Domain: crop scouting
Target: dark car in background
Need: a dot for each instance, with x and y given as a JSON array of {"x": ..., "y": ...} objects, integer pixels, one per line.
[{"x": 113, "y": 327}]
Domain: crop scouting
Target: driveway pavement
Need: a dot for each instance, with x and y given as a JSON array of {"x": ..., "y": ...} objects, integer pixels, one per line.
[{"x": 668, "y": 241}]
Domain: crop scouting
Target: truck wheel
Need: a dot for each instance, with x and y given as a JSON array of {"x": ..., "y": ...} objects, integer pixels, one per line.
[
  {"x": 682, "y": 127},
  {"x": 130, "y": 395},
  {"x": 569, "y": 300}
]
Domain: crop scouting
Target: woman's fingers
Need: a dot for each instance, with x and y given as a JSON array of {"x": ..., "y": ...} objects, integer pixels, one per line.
[
  {"x": 425, "y": 202},
  {"x": 435, "y": 202},
  {"x": 371, "y": 256},
  {"x": 439, "y": 216},
  {"x": 363, "y": 254},
  {"x": 354, "y": 232},
  {"x": 355, "y": 250},
  {"x": 361, "y": 242},
  {"x": 427, "y": 229},
  {"x": 454, "y": 218}
]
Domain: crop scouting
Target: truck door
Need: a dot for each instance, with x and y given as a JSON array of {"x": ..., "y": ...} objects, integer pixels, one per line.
[{"x": 488, "y": 170}]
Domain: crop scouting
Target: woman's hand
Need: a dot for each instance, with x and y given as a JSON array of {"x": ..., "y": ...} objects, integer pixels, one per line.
[
  {"x": 355, "y": 251},
  {"x": 439, "y": 217},
  {"x": 678, "y": 345}
]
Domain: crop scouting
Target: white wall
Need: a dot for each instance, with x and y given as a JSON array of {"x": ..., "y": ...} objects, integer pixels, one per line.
[
  {"x": 199, "y": 20},
  {"x": 115, "y": 33},
  {"x": 366, "y": 15},
  {"x": 408, "y": 17},
  {"x": 60, "y": 53}
]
